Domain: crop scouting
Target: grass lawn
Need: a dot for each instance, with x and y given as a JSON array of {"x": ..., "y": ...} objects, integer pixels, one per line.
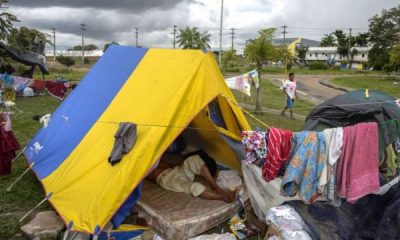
[
  {"x": 384, "y": 84},
  {"x": 273, "y": 97},
  {"x": 27, "y": 192},
  {"x": 71, "y": 75},
  {"x": 304, "y": 71},
  {"x": 273, "y": 120}
]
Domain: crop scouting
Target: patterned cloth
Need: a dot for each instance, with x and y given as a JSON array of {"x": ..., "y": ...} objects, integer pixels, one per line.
[
  {"x": 304, "y": 170},
  {"x": 255, "y": 146},
  {"x": 279, "y": 142},
  {"x": 358, "y": 166}
]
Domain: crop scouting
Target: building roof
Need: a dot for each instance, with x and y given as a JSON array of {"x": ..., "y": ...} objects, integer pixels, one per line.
[{"x": 304, "y": 42}]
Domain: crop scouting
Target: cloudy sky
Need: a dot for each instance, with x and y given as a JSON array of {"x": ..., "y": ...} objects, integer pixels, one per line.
[{"x": 109, "y": 20}]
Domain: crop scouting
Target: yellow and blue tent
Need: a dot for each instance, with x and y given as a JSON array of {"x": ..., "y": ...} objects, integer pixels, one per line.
[{"x": 162, "y": 91}]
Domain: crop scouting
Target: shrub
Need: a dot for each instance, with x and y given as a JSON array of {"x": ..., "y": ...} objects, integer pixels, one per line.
[
  {"x": 318, "y": 66},
  {"x": 66, "y": 61},
  {"x": 86, "y": 60}
]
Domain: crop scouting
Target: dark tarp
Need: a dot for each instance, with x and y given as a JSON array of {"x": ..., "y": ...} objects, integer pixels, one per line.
[
  {"x": 373, "y": 216},
  {"x": 28, "y": 58},
  {"x": 351, "y": 108}
]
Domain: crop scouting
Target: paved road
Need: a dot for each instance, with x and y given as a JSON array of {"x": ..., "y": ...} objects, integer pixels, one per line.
[{"x": 309, "y": 84}]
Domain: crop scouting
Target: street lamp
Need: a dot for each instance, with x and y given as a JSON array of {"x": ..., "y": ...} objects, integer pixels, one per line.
[{"x": 83, "y": 28}]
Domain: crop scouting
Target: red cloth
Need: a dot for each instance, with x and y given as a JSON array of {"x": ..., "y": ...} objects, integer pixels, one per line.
[
  {"x": 279, "y": 144},
  {"x": 358, "y": 166},
  {"x": 38, "y": 85},
  {"x": 8, "y": 146},
  {"x": 56, "y": 89}
]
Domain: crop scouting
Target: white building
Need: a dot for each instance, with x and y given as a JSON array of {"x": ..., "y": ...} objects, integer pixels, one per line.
[
  {"x": 330, "y": 54},
  {"x": 69, "y": 53}
]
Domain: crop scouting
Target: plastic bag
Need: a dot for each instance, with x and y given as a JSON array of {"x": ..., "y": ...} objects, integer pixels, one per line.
[
  {"x": 298, "y": 235},
  {"x": 285, "y": 218}
]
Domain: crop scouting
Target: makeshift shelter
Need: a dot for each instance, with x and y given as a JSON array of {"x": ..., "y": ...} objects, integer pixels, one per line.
[
  {"x": 162, "y": 92},
  {"x": 25, "y": 57},
  {"x": 373, "y": 216}
]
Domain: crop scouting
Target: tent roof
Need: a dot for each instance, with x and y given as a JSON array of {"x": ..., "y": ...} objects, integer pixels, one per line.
[
  {"x": 353, "y": 107},
  {"x": 160, "y": 90}
]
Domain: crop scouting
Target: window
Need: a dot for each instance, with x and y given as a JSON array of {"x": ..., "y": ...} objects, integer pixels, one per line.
[
  {"x": 316, "y": 55},
  {"x": 216, "y": 114},
  {"x": 310, "y": 55},
  {"x": 363, "y": 55}
]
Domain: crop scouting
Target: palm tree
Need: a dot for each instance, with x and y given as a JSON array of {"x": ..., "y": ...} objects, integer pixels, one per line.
[
  {"x": 191, "y": 38},
  {"x": 328, "y": 41}
]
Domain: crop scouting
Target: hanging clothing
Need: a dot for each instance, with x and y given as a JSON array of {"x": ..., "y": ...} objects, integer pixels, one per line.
[
  {"x": 255, "y": 146},
  {"x": 7, "y": 121},
  {"x": 279, "y": 143},
  {"x": 8, "y": 80},
  {"x": 304, "y": 169},
  {"x": 8, "y": 146},
  {"x": 125, "y": 138},
  {"x": 389, "y": 132},
  {"x": 358, "y": 166},
  {"x": 334, "y": 143},
  {"x": 9, "y": 95}
]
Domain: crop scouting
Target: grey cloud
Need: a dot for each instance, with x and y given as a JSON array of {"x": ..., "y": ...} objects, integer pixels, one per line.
[{"x": 124, "y": 5}]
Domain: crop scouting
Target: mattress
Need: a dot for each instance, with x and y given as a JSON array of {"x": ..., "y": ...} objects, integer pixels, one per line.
[{"x": 181, "y": 216}]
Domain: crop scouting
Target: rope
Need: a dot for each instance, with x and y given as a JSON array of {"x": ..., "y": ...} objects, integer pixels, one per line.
[
  {"x": 38, "y": 205},
  {"x": 19, "y": 154},
  {"x": 19, "y": 178},
  {"x": 247, "y": 112}
]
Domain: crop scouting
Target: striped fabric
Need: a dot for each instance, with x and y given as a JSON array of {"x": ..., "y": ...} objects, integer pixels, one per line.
[{"x": 278, "y": 152}]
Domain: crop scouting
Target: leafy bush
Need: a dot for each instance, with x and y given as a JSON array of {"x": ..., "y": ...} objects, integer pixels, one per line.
[
  {"x": 388, "y": 68},
  {"x": 86, "y": 60},
  {"x": 318, "y": 66},
  {"x": 66, "y": 61}
]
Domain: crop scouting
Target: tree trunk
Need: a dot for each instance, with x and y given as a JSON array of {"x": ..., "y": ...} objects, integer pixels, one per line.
[{"x": 258, "y": 100}]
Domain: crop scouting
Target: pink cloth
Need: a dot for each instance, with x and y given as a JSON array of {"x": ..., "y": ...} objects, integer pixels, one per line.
[{"x": 358, "y": 167}]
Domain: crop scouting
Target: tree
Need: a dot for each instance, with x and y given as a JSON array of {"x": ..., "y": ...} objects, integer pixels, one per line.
[
  {"x": 328, "y": 41},
  {"x": 260, "y": 51},
  {"x": 109, "y": 44},
  {"x": 6, "y": 24},
  {"x": 229, "y": 59},
  {"x": 384, "y": 34},
  {"x": 28, "y": 39},
  {"x": 89, "y": 47},
  {"x": 394, "y": 58},
  {"x": 66, "y": 61},
  {"x": 301, "y": 53},
  {"x": 191, "y": 38}
]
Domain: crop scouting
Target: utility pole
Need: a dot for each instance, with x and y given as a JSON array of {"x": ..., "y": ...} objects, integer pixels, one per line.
[
  {"x": 348, "y": 44},
  {"x": 83, "y": 29},
  {"x": 232, "y": 37},
  {"x": 137, "y": 36},
  {"x": 220, "y": 32},
  {"x": 174, "y": 34},
  {"x": 284, "y": 44},
  {"x": 54, "y": 43}
]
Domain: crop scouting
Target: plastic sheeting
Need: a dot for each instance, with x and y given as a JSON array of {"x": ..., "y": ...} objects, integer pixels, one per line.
[{"x": 263, "y": 195}]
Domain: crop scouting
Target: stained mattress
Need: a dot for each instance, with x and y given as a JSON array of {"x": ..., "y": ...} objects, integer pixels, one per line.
[{"x": 181, "y": 216}]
